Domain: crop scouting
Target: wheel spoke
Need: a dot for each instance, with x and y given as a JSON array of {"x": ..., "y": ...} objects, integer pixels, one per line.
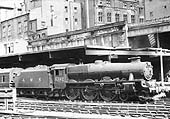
[
  {"x": 72, "y": 93},
  {"x": 107, "y": 95},
  {"x": 89, "y": 93}
]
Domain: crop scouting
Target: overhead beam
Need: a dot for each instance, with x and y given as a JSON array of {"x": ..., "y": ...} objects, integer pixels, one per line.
[
  {"x": 122, "y": 52},
  {"x": 148, "y": 29}
]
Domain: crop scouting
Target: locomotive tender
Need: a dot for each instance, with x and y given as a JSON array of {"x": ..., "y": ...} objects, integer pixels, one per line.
[{"x": 99, "y": 80}]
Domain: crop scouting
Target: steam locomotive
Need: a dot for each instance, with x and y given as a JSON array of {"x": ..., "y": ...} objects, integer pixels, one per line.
[{"x": 100, "y": 80}]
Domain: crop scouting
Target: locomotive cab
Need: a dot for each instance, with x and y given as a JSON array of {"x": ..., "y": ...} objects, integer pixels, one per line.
[{"x": 59, "y": 75}]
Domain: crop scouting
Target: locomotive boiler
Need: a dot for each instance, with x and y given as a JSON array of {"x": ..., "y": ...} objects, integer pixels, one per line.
[
  {"x": 100, "y": 80},
  {"x": 100, "y": 69}
]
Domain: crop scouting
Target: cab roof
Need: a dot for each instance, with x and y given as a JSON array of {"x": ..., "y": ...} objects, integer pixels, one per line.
[{"x": 60, "y": 66}]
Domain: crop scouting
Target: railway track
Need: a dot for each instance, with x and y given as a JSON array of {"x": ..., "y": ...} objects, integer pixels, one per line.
[
  {"x": 154, "y": 110},
  {"x": 159, "y": 109}
]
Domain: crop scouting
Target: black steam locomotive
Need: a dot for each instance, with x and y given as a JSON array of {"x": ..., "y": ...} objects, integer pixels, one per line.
[{"x": 99, "y": 80}]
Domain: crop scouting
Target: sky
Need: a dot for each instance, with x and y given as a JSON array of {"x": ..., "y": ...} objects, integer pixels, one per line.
[{"x": 10, "y": 3}]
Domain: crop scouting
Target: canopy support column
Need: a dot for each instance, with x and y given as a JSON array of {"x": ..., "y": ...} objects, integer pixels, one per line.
[{"x": 161, "y": 64}]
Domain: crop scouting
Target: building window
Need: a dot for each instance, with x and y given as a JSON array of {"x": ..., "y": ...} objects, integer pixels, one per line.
[
  {"x": 19, "y": 27},
  {"x": 43, "y": 24},
  {"x": 151, "y": 14},
  {"x": 109, "y": 18},
  {"x": 75, "y": 9},
  {"x": 141, "y": 20},
  {"x": 31, "y": 25},
  {"x": 100, "y": 16},
  {"x": 3, "y": 31},
  {"x": 131, "y": 6},
  {"x": 76, "y": 21},
  {"x": 35, "y": 3},
  {"x": 9, "y": 30},
  {"x": 117, "y": 17},
  {"x": 125, "y": 5},
  {"x": 141, "y": 10},
  {"x": 9, "y": 48},
  {"x": 51, "y": 8},
  {"x": 52, "y": 14},
  {"x": 5, "y": 46},
  {"x": 100, "y": 3},
  {"x": 132, "y": 18},
  {"x": 66, "y": 20},
  {"x": 25, "y": 26},
  {"x": 108, "y": 2},
  {"x": 66, "y": 9},
  {"x": 125, "y": 18}
]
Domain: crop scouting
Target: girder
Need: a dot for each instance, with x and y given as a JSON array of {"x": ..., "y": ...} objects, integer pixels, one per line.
[
  {"x": 156, "y": 52},
  {"x": 148, "y": 28}
]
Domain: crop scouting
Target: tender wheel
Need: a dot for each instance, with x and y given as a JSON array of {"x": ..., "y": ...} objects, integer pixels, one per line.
[
  {"x": 20, "y": 93},
  {"x": 89, "y": 93},
  {"x": 107, "y": 95},
  {"x": 72, "y": 93},
  {"x": 123, "y": 96}
]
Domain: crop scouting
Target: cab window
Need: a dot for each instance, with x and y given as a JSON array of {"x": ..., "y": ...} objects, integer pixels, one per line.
[
  {"x": 4, "y": 78},
  {"x": 60, "y": 72}
]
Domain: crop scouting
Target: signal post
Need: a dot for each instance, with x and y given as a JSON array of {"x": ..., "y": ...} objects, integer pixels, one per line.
[{"x": 7, "y": 98}]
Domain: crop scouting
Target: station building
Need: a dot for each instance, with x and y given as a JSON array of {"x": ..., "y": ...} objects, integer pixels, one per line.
[
  {"x": 7, "y": 12},
  {"x": 57, "y": 16},
  {"x": 155, "y": 9},
  {"x": 99, "y": 12},
  {"x": 14, "y": 35}
]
